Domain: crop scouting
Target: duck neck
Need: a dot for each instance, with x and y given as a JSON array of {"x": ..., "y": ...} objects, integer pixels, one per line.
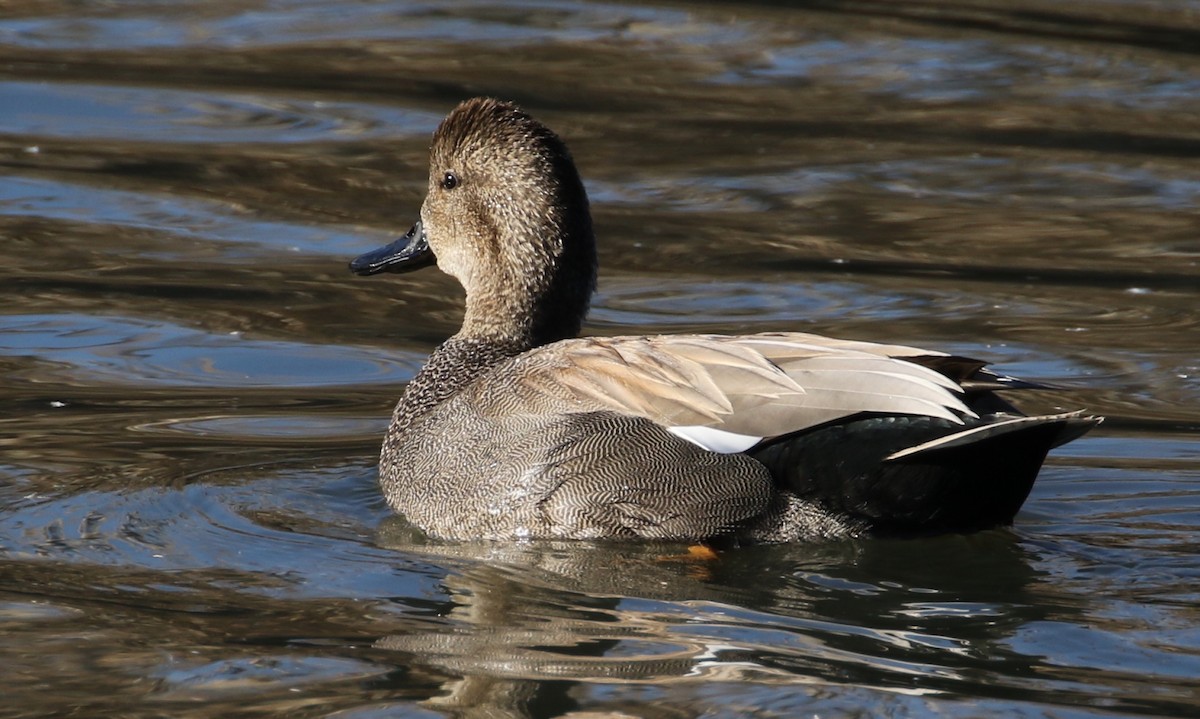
[
  {"x": 527, "y": 317},
  {"x": 518, "y": 315},
  {"x": 452, "y": 366},
  {"x": 539, "y": 296}
]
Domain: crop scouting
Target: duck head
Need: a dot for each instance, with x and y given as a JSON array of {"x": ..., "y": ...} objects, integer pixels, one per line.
[{"x": 507, "y": 216}]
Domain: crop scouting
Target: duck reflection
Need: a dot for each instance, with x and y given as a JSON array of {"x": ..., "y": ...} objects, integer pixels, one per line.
[{"x": 530, "y": 626}]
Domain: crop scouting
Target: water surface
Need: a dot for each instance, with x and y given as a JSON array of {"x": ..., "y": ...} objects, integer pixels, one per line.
[{"x": 194, "y": 388}]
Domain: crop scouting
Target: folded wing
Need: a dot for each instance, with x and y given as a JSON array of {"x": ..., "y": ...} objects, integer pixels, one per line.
[{"x": 729, "y": 393}]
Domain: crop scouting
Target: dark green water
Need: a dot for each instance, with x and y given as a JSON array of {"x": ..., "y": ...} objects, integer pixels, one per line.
[{"x": 193, "y": 388}]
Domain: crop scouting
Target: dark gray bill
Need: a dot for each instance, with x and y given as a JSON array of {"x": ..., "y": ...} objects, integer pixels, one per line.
[{"x": 410, "y": 252}]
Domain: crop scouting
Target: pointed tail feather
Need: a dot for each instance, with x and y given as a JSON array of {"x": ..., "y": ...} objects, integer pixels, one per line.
[{"x": 1071, "y": 425}]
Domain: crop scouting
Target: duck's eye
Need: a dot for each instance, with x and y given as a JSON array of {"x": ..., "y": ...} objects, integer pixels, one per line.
[{"x": 449, "y": 181}]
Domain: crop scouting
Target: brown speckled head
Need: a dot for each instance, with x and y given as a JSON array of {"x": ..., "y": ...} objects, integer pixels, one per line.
[{"x": 508, "y": 217}]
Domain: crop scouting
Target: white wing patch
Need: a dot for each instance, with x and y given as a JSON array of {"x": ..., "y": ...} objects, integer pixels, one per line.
[{"x": 716, "y": 440}]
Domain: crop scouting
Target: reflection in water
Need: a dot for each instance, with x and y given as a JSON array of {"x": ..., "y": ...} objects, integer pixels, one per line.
[
  {"x": 526, "y": 618},
  {"x": 192, "y": 387}
]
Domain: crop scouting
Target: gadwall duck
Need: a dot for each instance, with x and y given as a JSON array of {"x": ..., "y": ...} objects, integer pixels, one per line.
[{"x": 515, "y": 429}]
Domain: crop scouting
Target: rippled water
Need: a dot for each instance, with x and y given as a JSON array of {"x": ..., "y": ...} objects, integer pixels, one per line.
[{"x": 194, "y": 388}]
